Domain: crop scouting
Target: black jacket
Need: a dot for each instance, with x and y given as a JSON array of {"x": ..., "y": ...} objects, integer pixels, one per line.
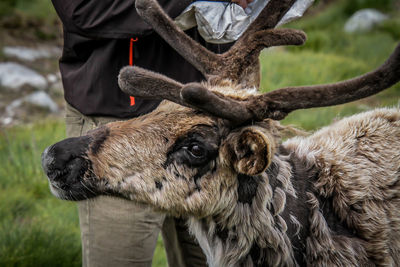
[{"x": 97, "y": 38}]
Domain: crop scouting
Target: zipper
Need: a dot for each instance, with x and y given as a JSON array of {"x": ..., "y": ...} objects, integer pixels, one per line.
[{"x": 132, "y": 41}]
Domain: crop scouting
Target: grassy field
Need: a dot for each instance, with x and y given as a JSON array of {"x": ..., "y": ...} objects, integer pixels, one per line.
[
  {"x": 41, "y": 11},
  {"x": 37, "y": 229},
  {"x": 331, "y": 55}
]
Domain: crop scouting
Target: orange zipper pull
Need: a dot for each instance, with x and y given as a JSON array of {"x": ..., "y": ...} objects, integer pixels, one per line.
[{"x": 131, "y": 62}]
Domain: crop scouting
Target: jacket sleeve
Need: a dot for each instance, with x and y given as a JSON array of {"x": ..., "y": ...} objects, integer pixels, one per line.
[{"x": 115, "y": 19}]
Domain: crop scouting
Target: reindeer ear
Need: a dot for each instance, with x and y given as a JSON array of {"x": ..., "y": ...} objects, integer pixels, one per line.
[{"x": 250, "y": 150}]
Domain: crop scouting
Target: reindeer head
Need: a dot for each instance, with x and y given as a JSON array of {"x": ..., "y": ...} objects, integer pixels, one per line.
[
  {"x": 189, "y": 155},
  {"x": 176, "y": 158}
]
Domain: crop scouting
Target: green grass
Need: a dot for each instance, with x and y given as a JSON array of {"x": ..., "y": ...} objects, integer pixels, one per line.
[
  {"x": 36, "y": 229},
  {"x": 41, "y": 11},
  {"x": 282, "y": 68},
  {"x": 331, "y": 55}
]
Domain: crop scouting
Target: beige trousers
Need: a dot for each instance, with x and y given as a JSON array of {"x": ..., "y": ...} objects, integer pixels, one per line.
[{"x": 117, "y": 232}]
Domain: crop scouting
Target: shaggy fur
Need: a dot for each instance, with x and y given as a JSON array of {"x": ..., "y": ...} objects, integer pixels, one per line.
[
  {"x": 359, "y": 162},
  {"x": 363, "y": 231},
  {"x": 329, "y": 199},
  {"x": 215, "y": 157}
]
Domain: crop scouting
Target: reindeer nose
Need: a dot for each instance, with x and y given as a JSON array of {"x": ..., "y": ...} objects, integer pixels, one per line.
[
  {"x": 66, "y": 164},
  {"x": 65, "y": 160}
]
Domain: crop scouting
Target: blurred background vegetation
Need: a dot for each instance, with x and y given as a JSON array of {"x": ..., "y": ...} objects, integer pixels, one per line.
[
  {"x": 36, "y": 229},
  {"x": 29, "y": 20},
  {"x": 330, "y": 54},
  {"x": 23, "y": 12}
]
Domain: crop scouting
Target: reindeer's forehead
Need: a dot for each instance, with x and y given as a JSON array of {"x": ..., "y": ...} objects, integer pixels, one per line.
[
  {"x": 182, "y": 117},
  {"x": 168, "y": 119},
  {"x": 176, "y": 120}
]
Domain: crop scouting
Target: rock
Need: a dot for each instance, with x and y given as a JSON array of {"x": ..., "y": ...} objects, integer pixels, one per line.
[
  {"x": 364, "y": 20},
  {"x": 28, "y": 108},
  {"x": 31, "y": 54},
  {"x": 6, "y": 120},
  {"x": 41, "y": 99},
  {"x": 57, "y": 88},
  {"x": 38, "y": 99},
  {"x": 14, "y": 76},
  {"x": 52, "y": 78},
  {"x": 13, "y": 106}
]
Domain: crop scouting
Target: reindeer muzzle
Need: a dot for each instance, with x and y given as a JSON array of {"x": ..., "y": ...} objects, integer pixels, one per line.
[{"x": 65, "y": 164}]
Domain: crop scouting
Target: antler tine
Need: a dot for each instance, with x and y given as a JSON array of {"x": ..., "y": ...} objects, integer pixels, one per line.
[
  {"x": 143, "y": 83},
  {"x": 277, "y": 104},
  {"x": 147, "y": 84},
  {"x": 242, "y": 57},
  {"x": 199, "y": 97}
]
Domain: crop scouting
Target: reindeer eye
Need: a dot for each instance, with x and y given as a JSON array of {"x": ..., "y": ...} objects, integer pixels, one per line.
[{"x": 196, "y": 151}]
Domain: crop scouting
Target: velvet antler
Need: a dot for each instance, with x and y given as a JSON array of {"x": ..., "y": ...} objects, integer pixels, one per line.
[
  {"x": 242, "y": 58},
  {"x": 289, "y": 99},
  {"x": 278, "y": 103},
  {"x": 275, "y": 105},
  {"x": 147, "y": 84},
  {"x": 240, "y": 64}
]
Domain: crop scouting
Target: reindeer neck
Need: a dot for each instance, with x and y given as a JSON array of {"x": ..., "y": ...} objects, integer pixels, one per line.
[{"x": 267, "y": 226}]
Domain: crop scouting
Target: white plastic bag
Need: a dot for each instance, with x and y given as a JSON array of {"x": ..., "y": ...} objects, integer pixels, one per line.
[{"x": 224, "y": 22}]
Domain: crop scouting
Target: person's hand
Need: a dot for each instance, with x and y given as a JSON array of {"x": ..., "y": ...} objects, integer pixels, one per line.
[{"x": 242, "y": 3}]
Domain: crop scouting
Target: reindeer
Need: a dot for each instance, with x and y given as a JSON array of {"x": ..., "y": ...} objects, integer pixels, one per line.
[{"x": 212, "y": 152}]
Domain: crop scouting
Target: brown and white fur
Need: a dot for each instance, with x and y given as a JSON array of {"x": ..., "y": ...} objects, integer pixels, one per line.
[
  {"x": 214, "y": 155},
  {"x": 329, "y": 199}
]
